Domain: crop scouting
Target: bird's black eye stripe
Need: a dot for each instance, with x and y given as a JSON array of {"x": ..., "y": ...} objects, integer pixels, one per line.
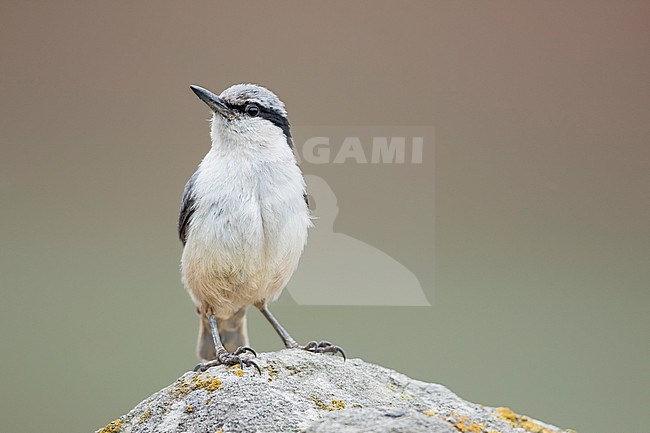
[
  {"x": 242, "y": 108},
  {"x": 271, "y": 115}
]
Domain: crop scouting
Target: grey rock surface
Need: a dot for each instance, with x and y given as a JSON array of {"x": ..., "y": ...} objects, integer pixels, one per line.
[{"x": 304, "y": 392}]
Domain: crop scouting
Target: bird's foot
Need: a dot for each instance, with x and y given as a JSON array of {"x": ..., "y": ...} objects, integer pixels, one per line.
[
  {"x": 235, "y": 358},
  {"x": 323, "y": 347}
]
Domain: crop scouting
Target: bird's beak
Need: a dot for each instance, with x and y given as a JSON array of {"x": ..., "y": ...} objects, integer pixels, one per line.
[{"x": 213, "y": 101}]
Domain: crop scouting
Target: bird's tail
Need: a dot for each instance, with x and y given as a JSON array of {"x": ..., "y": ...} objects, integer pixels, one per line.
[{"x": 232, "y": 332}]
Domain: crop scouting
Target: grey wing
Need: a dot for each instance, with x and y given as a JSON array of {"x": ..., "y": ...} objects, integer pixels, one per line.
[
  {"x": 187, "y": 208},
  {"x": 304, "y": 193}
]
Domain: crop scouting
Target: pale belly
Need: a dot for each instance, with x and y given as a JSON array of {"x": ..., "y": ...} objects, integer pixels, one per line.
[{"x": 242, "y": 250}]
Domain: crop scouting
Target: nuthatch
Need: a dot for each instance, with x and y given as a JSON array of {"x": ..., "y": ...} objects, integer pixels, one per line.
[{"x": 243, "y": 222}]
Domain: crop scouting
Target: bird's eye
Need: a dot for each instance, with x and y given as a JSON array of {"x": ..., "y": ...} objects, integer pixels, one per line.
[{"x": 252, "y": 110}]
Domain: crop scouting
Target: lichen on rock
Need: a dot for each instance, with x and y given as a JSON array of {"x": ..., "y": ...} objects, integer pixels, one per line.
[{"x": 303, "y": 392}]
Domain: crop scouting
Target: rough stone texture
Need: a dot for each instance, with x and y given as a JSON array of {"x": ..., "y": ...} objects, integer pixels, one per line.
[{"x": 304, "y": 392}]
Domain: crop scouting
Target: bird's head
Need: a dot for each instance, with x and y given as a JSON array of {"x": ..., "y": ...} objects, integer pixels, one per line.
[{"x": 246, "y": 112}]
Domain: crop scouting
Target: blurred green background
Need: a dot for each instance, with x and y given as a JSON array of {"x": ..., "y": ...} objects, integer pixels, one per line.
[{"x": 540, "y": 286}]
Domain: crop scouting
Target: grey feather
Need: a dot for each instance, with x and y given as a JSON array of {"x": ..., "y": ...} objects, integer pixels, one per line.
[
  {"x": 187, "y": 208},
  {"x": 243, "y": 93}
]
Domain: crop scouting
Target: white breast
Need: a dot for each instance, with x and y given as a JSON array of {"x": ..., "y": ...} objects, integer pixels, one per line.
[{"x": 249, "y": 227}]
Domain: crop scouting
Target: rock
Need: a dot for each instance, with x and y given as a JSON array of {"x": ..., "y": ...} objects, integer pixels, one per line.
[{"x": 304, "y": 392}]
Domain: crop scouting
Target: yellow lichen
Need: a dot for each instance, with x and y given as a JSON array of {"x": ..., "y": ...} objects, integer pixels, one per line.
[
  {"x": 273, "y": 371},
  {"x": 429, "y": 412},
  {"x": 112, "y": 427},
  {"x": 336, "y": 404},
  {"x": 471, "y": 427},
  {"x": 189, "y": 409},
  {"x": 206, "y": 382},
  {"x": 145, "y": 415},
  {"x": 292, "y": 369},
  {"x": 465, "y": 424},
  {"x": 319, "y": 403},
  {"x": 462, "y": 423},
  {"x": 239, "y": 372},
  {"x": 506, "y": 414},
  {"x": 520, "y": 421}
]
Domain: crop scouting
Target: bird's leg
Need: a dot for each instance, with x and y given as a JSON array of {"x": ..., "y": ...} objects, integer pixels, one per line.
[
  {"x": 223, "y": 356},
  {"x": 289, "y": 342}
]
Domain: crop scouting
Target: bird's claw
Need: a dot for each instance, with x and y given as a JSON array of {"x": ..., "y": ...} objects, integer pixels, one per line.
[
  {"x": 248, "y": 362},
  {"x": 323, "y": 347},
  {"x": 234, "y": 358},
  {"x": 203, "y": 366},
  {"x": 244, "y": 349}
]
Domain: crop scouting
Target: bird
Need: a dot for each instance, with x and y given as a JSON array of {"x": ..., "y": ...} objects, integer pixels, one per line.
[{"x": 243, "y": 222}]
